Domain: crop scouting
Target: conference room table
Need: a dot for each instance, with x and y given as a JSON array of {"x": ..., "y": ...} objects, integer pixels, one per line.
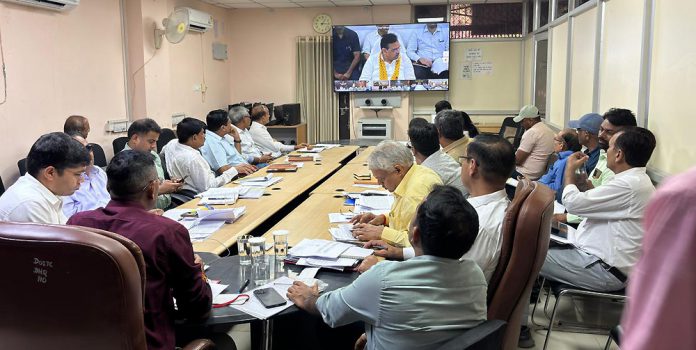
[
  {"x": 362, "y": 154},
  {"x": 344, "y": 180},
  {"x": 275, "y": 198}
]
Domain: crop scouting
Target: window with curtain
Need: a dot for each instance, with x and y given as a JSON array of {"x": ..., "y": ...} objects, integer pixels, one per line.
[{"x": 315, "y": 88}]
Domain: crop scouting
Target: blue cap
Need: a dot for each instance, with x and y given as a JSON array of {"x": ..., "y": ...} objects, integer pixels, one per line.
[{"x": 589, "y": 122}]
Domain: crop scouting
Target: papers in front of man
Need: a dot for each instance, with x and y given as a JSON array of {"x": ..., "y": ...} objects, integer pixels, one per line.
[
  {"x": 327, "y": 254},
  {"x": 202, "y": 223},
  {"x": 259, "y": 181},
  {"x": 374, "y": 202},
  {"x": 340, "y": 217},
  {"x": 254, "y": 307},
  {"x": 343, "y": 233},
  {"x": 327, "y": 145},
  {"x": 315, "y": 149},
  {"x": 219, "y": 196}
]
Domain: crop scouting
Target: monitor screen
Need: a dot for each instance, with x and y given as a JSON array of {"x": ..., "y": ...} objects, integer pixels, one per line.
[{"x": 397, "y": 57}]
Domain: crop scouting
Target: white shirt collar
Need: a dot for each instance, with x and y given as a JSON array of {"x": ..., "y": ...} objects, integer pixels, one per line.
[
  {"x": 487, "y": 198},
  {"x": 43, "y": 190}
]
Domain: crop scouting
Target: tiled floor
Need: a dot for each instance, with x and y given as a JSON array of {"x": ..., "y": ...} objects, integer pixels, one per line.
[{"x": 558, "y": 340}]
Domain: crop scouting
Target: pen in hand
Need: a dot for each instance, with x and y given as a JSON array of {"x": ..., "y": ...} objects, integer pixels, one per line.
[{"x": 241, "y": 290}]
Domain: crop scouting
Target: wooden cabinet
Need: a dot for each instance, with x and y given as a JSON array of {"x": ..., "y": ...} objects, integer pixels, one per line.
[{"x": 287, "y": 133}]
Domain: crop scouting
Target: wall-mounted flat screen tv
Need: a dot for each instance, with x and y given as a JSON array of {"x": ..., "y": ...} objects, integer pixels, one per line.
[{"x": 396, "y": 57}]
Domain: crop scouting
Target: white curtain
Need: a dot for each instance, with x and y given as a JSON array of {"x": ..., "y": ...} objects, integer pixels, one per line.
[{"x": 315, "y": 88}]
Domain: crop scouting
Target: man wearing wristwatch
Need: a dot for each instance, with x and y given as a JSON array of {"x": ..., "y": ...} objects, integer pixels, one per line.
[{"x": 219, "y": 153}]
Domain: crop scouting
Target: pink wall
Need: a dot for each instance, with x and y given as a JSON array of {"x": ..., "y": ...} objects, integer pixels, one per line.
[
  {"x": 58, "y": 64},
  {"x": 263, "y": 51}
]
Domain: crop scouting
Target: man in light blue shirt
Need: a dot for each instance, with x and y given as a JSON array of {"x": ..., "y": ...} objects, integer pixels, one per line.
[
  {"x": 426, "y": 49},
  {"x": 420, "y": 303},
  {"x": 92, "y": 193},
  {"x": 217, "y": 151}
]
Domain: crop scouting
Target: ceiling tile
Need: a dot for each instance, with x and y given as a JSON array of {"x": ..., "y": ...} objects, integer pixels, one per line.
[
  {"x": 280, "y": 4},
  {"x": 322, "y": 3}
]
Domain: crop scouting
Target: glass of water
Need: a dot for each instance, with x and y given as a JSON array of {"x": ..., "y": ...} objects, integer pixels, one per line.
[
  {"x": 258, "y": 260},
  {"x": 280, "y": 243},
  {"x": 244, "y": 249}
]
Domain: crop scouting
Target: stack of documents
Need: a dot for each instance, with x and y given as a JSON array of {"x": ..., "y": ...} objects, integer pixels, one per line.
[
  {"x": 374, "y": 203},
  {"x": 259, "y": 181},
  {"x": 217, "y": 196},
  {"x": 343, "y": 233},
  {"x": 340, "y": 217},
  {"x": 327, "y": 145},
  {"x": 328, "y": 254},
  {"x": 313, "y": 150},
  {"x": 203, "y": 223}
]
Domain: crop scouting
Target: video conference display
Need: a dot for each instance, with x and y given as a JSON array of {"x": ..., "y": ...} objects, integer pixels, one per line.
[{"x": 398, "y": 57}]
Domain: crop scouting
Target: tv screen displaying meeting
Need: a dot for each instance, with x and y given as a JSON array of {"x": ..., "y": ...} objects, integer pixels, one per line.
[{"x": 396, "y": 57}]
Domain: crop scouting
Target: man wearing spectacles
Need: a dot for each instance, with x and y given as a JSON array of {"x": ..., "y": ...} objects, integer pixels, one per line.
[
  {"x": 172, "y": 269},
  {"x": 92, "y": 193},
  {"x": 55, "y": 167},
  {"x": 588, "y": 135},
  {"x": 420, "y": 303}
]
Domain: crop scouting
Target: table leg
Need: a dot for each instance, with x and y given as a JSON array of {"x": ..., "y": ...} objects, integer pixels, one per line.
[{"x": 267, "y": 338}]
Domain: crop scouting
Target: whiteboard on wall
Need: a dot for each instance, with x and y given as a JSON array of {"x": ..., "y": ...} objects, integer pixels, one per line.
[{"x": 491, "y": 81}]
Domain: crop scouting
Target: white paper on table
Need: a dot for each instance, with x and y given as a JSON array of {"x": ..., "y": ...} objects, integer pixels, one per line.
[
  {"x": 367, "y": 186},
  {"x": 225, "y": 298},
  {"x": 217, "y": 288},
  {"x": 227, "y": 214},
  {"x": 343, "y": 233},
  {"x": 339, "y": 217},
  {"x": 215, "y": 200},
  {"x": 361, "y": 210},
  {"x": 313, "y": 150},
  {"x": 308, "y": 272},
  {"x": 220, "y": 192},
  {"x": 204, "y": 229},
  {"x": 247, "y": 192},
  {"x": 260, "y": 183},
  {"x": 298, "y": 164},
  {"x": 340, "y": 262},
  {"x": 327, "y": 145},
  {"x": 254, "y": 307},
  {"x": 357, "y": 253},
  {"x": 318, "y": 248},
  {"x": 376, "y": 202},
  {"x": 558, "y": 208}
]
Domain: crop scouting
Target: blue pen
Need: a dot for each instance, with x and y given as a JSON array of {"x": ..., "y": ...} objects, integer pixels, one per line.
[{"x": 208, "y": 206}]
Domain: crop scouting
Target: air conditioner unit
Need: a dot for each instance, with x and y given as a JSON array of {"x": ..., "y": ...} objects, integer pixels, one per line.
[
  {"x": 199, "y": 21},
  {"x": 56, "y": 5}
]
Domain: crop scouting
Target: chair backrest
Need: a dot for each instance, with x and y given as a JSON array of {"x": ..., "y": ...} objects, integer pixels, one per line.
[
  {"x": 511, "y": 131},
  {"x": 486, "y": 336},
  {"x": 165, "y": 136},
  {"x": 69, "y": 287},
  {"x": 22, "y": 165},
  {"x": 526, "y": 231},
  {"x": 119, "y": 143},
  {"x": 164, "y": 166},
  {"x": 99, "y": 155},
  {"x": 2, "y": 187}
]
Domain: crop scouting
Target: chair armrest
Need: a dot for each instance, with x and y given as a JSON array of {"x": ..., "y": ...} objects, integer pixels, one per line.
[
  {"x": 487, "y": 335},
  {"x": 200, "y": 344}
]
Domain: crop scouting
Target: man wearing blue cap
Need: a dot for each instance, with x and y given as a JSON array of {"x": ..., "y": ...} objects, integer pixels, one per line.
[{"x": 588, "y": 135}]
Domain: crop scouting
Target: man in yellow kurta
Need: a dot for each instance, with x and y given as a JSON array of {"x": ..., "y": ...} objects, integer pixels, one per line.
[{"x": 392, "y": 165}]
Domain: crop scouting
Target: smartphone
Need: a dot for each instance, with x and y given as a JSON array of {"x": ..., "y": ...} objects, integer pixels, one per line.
[
  {"x": 269, "y": 297},
  {"x": 182, "y": 179}
]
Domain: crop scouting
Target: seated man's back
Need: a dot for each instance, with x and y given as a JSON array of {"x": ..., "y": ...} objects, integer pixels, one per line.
[{"x": 171, "y": 270}]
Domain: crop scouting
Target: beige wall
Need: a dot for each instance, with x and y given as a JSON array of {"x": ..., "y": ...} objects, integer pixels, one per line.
[
  {"x": 558, "y": 39},
  {"x": 59, "y": 64}
]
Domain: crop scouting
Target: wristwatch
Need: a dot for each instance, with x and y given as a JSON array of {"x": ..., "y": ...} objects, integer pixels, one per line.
[{"x": 237, "y": 141}]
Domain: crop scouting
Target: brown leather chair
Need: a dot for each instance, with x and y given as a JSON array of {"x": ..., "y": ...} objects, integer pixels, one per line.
[
  {"x": 67, "y": 287},
  {"x": 526, "y": 229}
]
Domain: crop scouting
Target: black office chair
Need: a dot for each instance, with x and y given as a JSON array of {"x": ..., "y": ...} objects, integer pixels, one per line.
[
  {"x": 22, "y": 165},
  {"x": 511, "y": 131},
  {"x": 165, "y": 136},
  {"x": 486, "y": 336},
  {"x": 119, "y": 143},
  {"x": 182, "y": 196},
  {"x": 99, "y": 155},
  {"x": 2, "y": 187}
]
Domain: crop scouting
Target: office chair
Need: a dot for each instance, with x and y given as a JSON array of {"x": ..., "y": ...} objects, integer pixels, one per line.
[
  {"x": 99, "y": 155},
  {"x": 181, "y": 197},
  {"x": 2, "y": 187},
  {"x": 486, "y": 336},
  {"x": 526, "y": 233},
  {"x": 72, "y": 288},
  {"x": 511, "y": 131},
  {"x": 22, "y": 165},
  {"x": 165, "y": 136},
  {"x": 119, "y": 143}
]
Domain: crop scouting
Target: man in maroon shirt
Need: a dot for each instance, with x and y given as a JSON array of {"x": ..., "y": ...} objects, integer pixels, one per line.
[{"x": 172, "y": 271}]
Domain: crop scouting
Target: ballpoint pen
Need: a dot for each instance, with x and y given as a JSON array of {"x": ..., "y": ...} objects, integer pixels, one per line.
[{"x": 241, "y": 290}]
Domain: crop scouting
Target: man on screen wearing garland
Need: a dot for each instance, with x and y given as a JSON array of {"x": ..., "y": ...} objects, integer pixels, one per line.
[{"x": 388, "y": 65}]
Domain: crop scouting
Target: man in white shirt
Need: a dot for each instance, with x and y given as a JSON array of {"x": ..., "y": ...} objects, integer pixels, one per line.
[
  {"x": 423, "y": 142},
  {"x": 241, "y": 122},
  {"x": 428, "y": 47},
  {"x": 486, "y": 167},
  {"x": 55, "y": 166},
  {"x": 417, "y": 304},
  {"x": 608, "y": 241},
  {"x": 263, "y": 140},
  {"x": 371, "y": 43},
  {"x": 184, "y": 160},
  {"x": 92, "y": 193},
  {"x": 219, "y": 153},
  {"x": 389, "y": 64}
]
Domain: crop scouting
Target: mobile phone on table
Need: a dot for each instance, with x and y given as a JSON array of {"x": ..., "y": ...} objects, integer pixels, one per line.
[{"x": 269, "y": 297}]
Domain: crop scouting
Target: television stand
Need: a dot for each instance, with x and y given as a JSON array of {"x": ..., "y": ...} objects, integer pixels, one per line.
[{"x": 289, "y": 133}]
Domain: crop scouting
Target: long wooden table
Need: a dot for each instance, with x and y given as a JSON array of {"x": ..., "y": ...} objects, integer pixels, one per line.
[
  {"x": 276, "y": 197},
  {"x": 343, "y": 180},
  {"x": 310, "y": 219},
  {"x": 364, "y": 153}
]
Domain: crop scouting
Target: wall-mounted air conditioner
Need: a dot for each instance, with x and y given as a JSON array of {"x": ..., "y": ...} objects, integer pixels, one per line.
[
  {"x": 56, "y": 5},
  {"x": 199, "y": 21}
]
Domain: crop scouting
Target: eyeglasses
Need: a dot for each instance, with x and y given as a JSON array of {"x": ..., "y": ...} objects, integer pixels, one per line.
[{"x": 159, "y": 181}]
